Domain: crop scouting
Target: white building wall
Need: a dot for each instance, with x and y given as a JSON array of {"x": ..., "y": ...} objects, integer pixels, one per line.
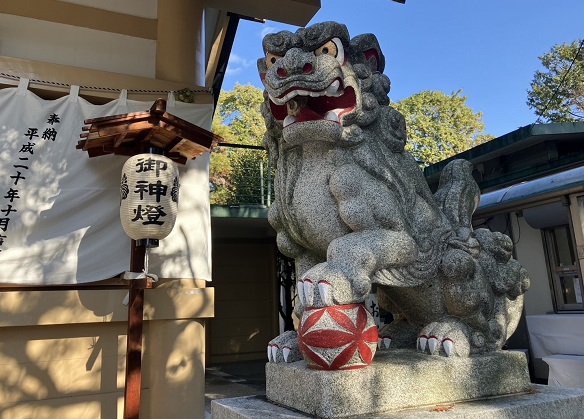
[{"x": 529, "y": 251}]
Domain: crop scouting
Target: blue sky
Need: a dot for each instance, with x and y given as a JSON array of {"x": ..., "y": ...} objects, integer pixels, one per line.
[{"x": 487, "y": 48}]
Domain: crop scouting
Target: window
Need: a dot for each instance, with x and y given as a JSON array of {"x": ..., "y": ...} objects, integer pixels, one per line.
[{"x": 563, "y": 268}]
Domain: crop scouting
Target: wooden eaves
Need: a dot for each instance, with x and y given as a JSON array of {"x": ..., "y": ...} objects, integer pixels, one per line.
[{"x": 132, "y": 133}]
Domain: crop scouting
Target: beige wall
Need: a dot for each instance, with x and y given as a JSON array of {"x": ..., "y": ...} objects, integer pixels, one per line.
[
  {"x": 138, "y": 45},
  {"x": 62, "y": 353},
  {"x": 246, "y": 317}
]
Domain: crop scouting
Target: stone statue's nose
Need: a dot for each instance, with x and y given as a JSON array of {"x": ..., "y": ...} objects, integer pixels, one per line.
[
  {"x": 296, "y": 62},
  {"x": 306, "y": 69}
]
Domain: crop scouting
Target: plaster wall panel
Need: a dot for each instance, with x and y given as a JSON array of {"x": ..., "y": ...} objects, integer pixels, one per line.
[
  {"x": 530, "y": 253},
  {"x": 31, "y": 39}
]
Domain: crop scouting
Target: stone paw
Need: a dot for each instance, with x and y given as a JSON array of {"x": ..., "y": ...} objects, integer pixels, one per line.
[
  {"x": 397, "y": 334},
  {"x": 384, "y": 341},
  {"x": 448, "y": 338},
  {"x": 324, "y": 286},
  {"x": 284, "y": 348}
]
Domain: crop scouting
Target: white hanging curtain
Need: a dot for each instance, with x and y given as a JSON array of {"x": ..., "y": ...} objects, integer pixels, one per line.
[{"x": 59, "y": 209}]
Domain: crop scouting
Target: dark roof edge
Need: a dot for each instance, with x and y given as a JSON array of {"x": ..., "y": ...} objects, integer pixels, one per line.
[{"x": 496, "y": 145}]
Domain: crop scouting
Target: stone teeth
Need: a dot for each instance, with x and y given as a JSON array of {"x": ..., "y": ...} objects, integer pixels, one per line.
[
  {"x": 448, "y": 346},
  {"x": 269, "y": 353},
  {"x": 286, "y": 353},
  {"x": 331, "y": 116},
  {"x": 282, "y": 100},
  {"x": 290, "y": 95},
  {"x": 289, "y": 120},
  {"x": 386, "y": 342},
  {"x": 277, "y": 101},
  {"x": 379, "y": 340},
  {"x": 274, "y": 352},
  {"x": 333, "y": 89}
]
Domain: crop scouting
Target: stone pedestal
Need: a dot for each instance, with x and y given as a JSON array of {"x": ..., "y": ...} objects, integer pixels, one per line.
[
  {"x": 541, "y": 402},
  {"x": 396, "y": 380}
]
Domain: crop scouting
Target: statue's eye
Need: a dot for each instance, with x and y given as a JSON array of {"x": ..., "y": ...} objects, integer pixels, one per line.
[
  {"x": 334, "y": 48},
  {"x": 271, "y": 59},
  {"x": 327, "y": 49}
]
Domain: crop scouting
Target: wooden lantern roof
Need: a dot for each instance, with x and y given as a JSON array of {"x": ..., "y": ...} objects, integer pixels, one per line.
[{"x": 133, "y": 133}]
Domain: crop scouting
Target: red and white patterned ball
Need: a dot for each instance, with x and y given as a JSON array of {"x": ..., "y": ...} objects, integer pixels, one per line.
[{"x": 337, "y": 337}]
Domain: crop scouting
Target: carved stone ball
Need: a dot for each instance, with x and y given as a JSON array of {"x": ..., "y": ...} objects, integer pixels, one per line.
[{"x": 337, "y": 337}]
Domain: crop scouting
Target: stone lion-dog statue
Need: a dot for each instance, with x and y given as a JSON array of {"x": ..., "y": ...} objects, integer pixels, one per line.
[{"x": 353, "y": 209}]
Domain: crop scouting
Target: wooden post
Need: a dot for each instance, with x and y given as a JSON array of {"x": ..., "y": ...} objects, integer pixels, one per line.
[{"x": 134, "y": 341}]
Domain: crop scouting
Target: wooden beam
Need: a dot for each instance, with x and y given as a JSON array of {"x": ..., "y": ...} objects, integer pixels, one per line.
[
  {"x": 293, "y": 12},
  {"x": 70, "y": 75},
  {"x": 82, "y": 16},
  {"x": 216, "y": 47}
]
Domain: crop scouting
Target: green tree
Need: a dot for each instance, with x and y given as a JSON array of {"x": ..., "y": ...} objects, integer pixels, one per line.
[
  {"x": 440, "y": 125},
  {"x": 235, "y": 172},
  {"x": 557, "y": 93}
]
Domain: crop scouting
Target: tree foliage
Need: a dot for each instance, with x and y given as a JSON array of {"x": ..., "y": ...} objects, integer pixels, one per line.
[
  {"x": 440, "y": 125},
  {"x": 235, "y": 172},
  {"x": 238, "y": 111},
  {"x": 557, "y": 93}
]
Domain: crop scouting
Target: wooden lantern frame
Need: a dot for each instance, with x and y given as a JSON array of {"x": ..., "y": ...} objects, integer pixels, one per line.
[{"x": 128, "y": 135}]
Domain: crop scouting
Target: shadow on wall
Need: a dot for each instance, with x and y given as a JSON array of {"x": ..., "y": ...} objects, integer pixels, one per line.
[{"x": 63, "y": 350}]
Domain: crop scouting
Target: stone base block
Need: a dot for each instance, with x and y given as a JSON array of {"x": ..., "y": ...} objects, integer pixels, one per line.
[
  {"x": 396, "y": 380},
  {"x": 541, "y": 402}
]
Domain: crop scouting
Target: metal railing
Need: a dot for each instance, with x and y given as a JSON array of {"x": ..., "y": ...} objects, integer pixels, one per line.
[{"x": 249, "y": 181}]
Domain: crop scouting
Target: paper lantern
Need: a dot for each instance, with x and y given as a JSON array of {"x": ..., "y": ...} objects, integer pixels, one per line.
[{"x": 149, "y": 196}]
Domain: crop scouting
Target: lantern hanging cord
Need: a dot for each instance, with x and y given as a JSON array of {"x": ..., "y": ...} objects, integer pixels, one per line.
[{"x": 107, "y": 89}]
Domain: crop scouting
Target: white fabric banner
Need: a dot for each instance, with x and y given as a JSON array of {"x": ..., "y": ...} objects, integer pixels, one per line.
[{"x": 59, "y": 209}]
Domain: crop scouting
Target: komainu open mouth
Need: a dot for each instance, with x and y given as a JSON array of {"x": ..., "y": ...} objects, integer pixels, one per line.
[{"x": 301, "y": 105}]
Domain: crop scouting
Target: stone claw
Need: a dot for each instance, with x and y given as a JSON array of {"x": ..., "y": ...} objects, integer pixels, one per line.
[
  {"x": 324, "y": 289},
  {"x": 422, "y": 340},
  {"x": 301, "y": 291},
  {"x": 383, "y": 342},
  {"x": 286, "y": 352},
  {"x": 284, "y": 348},
  {"x": 325, "y": 285},
  {"x": 439, "y": 338},
  {"x": 448, "y": 346},
  {"x": 308, "y": 292}
]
